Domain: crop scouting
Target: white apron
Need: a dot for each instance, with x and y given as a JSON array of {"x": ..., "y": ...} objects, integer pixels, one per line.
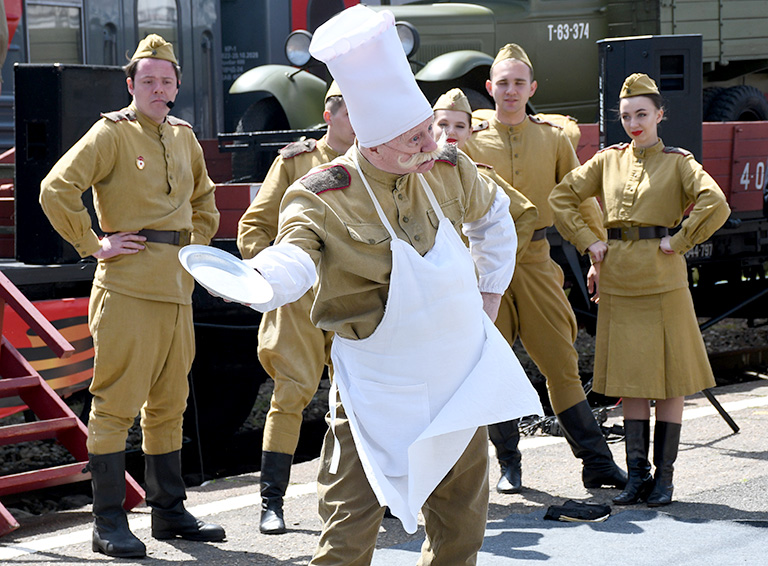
[{"x": 434, "y": 370}]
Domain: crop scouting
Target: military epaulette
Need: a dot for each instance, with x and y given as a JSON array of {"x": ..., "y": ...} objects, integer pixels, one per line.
[
  {"x": 480, "y": 126},
  {"x": 174, "y": 121},
  {"x": 483, "y": 166},
  {"x": 298, "y": 147},
  {"x": 329, "y": 179},
  {"x": 673, "y": 149},
  {"x": 542, "y": 121},
  {"x": 619, "y": 146},
  {"x": 119, "y": 115},
  {"x": 449, "y": 154}
]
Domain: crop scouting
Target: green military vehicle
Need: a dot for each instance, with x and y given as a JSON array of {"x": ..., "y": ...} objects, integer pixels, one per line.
[{"x": 452, "y": 44}]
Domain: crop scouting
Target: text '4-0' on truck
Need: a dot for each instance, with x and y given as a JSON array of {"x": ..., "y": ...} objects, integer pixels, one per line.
[{"x": 452, "y": 44}]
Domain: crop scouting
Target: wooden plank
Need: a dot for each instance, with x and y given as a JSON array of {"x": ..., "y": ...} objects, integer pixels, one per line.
[
  {"x": 36, "y": 321},
  {"x": 39, "y": 479},
  {"x": 38, "y": 430}
]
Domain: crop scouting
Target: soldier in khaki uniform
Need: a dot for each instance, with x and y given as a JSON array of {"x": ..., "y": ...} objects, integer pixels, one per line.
[
  {"x": 419, "y": 368},
  {"x": 648, "y": 341},
  {"x": 152, "y": 195},
  {"x": 533, "y": 155},
  {"x": 453, "y": 118},
  {"x": 292, "y": 350}
]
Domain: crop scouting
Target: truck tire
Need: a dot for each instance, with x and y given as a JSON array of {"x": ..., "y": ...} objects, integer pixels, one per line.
[
  {"x": 708, "y": 96},
  {"x": 265, "y": 115},
  {"x": 739, "y": 103},
  {"x": 478, "y": 100}
]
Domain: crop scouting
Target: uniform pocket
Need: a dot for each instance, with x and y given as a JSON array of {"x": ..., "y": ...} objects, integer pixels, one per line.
[
  {"x": 453, "y": 210},
  {"x": 371, "y": 234}
]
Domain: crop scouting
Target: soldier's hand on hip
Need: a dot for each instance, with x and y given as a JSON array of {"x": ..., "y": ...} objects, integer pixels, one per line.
[{"x": 120, "y": 243}]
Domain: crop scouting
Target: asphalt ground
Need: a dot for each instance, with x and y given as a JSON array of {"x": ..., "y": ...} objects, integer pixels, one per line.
[{"x": 720, "y": 513}]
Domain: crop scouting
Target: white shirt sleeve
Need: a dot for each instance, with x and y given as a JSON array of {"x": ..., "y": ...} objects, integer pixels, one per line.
[
  {"x": 288, "y": 269},
  {"x": 493, "y": 244}
]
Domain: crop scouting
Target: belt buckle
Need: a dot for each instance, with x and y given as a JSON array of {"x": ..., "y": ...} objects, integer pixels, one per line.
[
  {"x": 630, "y": 233},
  {"x": 185, "y": 237}
]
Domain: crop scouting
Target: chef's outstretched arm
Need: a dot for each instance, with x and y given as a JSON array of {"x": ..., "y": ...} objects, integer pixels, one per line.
[
  {"x": 493, "y": 245},
  {"x": 288, "y": 269}
]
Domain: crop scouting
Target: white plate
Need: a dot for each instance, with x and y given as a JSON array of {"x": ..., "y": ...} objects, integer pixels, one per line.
[{"x": 225, "y": 275}]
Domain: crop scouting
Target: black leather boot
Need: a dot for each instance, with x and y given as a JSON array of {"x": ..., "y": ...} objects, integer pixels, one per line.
[
  {"x": 637, "y": 437},
  {"x": 111, "y": 534},
  {"x": 588, "y": 443},
  {"x": 275, "y": 474},
  {"x": 666, "y": 439},
  {"x": 505, "y": 437},
  {"x": 166, "y": 493}
]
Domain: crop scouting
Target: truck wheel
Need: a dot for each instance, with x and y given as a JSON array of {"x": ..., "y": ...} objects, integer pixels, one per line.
[
  {"x": 264, "y": 115},
  {"x": 478, "y": 100},
  {"x": 708, "y": 96},
  {"x": 739, "y": 103}
]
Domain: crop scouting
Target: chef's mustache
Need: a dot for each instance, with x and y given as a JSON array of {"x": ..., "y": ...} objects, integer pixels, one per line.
[{"x": 424, "y": 156}]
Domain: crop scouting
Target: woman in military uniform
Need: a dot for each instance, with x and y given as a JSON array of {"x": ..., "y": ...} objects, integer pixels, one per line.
[{"x": 648, "y": 341}]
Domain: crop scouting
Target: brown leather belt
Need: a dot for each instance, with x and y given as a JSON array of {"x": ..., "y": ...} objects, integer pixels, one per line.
[
  {"x": 539, "y": 234},
  {"x": 175, "y": 238},
  {"x": 637, "y": 233}
]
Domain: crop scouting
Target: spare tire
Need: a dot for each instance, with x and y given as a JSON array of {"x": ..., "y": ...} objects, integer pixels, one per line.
[
  {"x": 265, "y": 115},
  {"x": 708, "y": 96},
  {"x": 741, "y": 103}
]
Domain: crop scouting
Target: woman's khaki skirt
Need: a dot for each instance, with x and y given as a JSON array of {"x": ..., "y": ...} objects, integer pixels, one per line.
[{"x": 650, "y": 347}]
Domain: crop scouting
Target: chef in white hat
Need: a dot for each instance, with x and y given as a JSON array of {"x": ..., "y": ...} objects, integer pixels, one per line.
[{"x": 419, "y": 368}]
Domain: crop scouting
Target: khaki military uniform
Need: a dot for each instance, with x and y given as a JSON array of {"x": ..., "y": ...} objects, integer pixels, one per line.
[
  {"x": 292, "y": 350},
  {"x": 144, "y": 175},
  {"x": 648, "y": 340},
  {"x": 533, "y": 157},
  {"x": 329, "y": 215},
  {"x": 523, "y": 211}
]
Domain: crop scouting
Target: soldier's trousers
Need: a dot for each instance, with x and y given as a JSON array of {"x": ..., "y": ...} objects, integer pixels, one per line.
[
  {"x": 535, "y": 308},
  {"x": 143, "y": 351},
  {"x": 455, "y": 514},
  {"x": 293, "y": 352}
]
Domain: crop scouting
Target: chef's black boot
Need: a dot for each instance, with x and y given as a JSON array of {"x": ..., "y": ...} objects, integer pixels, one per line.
[
  {"x": 111, "y": 534},
  {"x": 275, "y": 474},
  {"x": 505, "y": 437},
  {"x": 666, "y": 439},
  {"x": 637, "y": 438},
  {"x": 166, "y": 493},
  {"x": 588, "y": 443}
]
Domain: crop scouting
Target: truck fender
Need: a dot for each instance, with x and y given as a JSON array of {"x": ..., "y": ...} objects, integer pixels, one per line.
[
  {"x": 299, "y": 93},
  {"x": 454, "y": 65}
]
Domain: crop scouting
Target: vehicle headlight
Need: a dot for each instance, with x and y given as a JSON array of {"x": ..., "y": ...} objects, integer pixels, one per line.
[
  {"x": 297, "y": 47},
  {"x": 409, "y": 37}
]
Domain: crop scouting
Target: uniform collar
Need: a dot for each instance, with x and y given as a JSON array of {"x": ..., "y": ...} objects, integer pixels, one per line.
[
  {"x": 507, "y": 128},
  {"x": 145, "y": 120},
  {"x": 646, "y": 152}
]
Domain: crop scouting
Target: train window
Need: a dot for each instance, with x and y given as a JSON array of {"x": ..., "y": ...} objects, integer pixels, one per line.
[
  {"x": 160, "y": 17},
  {"x": 55, "y": 32}
]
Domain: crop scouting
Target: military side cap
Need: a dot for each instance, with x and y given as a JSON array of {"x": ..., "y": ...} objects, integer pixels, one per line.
[
  {"x": 454, "y": 99},
  {"x": 155, "y": 47},
  {"x": 512, "y": 51},
  {"x": 333, "y": 90},
  {"x": 638, "y": 84}
]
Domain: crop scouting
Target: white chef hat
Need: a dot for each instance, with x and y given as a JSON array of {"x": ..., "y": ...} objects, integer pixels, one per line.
[{"x": 361, "y": 48}]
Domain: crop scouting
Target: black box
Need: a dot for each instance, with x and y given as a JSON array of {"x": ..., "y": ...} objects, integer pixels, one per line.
[
  {"x": 675, "y": 63},
  {"x": 55, "y": 105}
]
